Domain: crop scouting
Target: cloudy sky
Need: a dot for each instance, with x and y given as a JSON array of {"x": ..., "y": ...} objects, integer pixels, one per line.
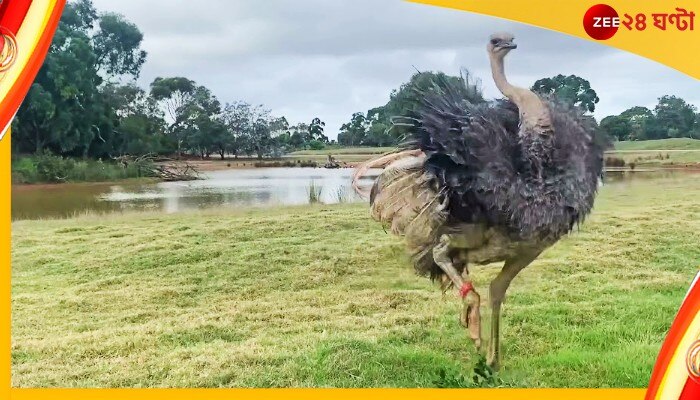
[{"x": 330, "y": 58}]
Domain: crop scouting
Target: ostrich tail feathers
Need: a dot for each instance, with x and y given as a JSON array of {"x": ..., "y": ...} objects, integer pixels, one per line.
[
  {"x": 379, "y": 162},
  {"x": 404, "y": 200}
]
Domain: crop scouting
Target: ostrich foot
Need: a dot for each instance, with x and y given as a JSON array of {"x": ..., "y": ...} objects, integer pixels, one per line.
[
  {"x": 493, "y": 353},
  {"x": 470, "y": 317},
  {"x": 493, "y": 362}
]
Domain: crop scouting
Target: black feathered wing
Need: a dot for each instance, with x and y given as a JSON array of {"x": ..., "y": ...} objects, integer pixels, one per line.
[{"x": 481, "y": 164}]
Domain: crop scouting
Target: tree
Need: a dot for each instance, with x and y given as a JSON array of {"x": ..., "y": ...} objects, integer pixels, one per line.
[
  {"x": 185, "y": 105},
  {"x": 299, "y": 135},
  {"x": 209, "y": 134},
  {"x": 254, "y": 130},
  {"x": 279, "y": 126},
  {"x": 238, "y": 119},
  {"x": 175, "y": 97},
  {"x": 117, "y": 46},
  {"x": 675, "y": 116},
  {"x": 570, "y": 89},
  {"x": 281, "y": 136},
  {"x": 641, "y": 122},
  {"x": 409, "y": 95},
  {"x": 376, "y": 127},
  {"x": 316, "y": 145},
  {"x": 353, "y": 132},
  {"x": 85, "y": 102},
  {"x": 59, "y": 112},
  {"x": 378, "y": 135},
  {"x": 316, "y": 130},
  {"x": 140, "y": 125},
  {"x": 260, "y": 139},
  {"x": 616, "y": 127},
  {"x": 65, "y": 110},
  {"x": 79, "y": 15}
]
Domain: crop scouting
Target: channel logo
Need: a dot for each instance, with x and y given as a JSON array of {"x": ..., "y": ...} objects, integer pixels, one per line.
[{"x": 601, "y": 21}]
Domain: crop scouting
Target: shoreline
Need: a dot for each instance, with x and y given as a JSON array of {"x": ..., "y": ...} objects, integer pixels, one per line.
[{"x": 215, "y": 166}]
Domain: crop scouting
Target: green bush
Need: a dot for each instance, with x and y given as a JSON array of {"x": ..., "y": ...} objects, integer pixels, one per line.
[
  {"x": 614, "y": 162},
  {"x": 316, "y": 145},
  {"x": 24, "y": 171},
  {"x": 308, "y": 163},
  {"x": 49, "y": 168}
]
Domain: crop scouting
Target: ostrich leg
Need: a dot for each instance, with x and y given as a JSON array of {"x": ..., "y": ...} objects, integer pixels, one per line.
[
  {"x": 470, "y": 316},
  {"x": 497, "y": 290}
]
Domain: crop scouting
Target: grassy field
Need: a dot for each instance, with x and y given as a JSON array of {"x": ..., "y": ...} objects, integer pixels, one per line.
[
  {"x": 350, "y": 155},
  {"x": 322, "y": 296},
  {"x": 661, "y": 144},
  {"x": 681, "y": 152},
  {"x": 673, "y": 153},
  {"x": 660, "y": 158}
]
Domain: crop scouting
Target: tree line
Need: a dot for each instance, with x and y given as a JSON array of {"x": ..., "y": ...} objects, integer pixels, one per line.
[
  {"x": 375, "y": 127},
  {"x": 85, "y": 103},
  {"x": 672, "y": 117}
]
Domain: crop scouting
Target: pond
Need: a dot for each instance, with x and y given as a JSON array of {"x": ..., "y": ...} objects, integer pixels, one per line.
[{"x": 235, "y": 188}]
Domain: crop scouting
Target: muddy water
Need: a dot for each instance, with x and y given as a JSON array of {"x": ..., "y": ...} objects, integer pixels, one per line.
[{"x": 230, "y": 189}]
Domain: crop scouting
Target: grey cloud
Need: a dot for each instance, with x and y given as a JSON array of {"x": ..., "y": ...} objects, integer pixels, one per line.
[{"x": 329, "y": 59}]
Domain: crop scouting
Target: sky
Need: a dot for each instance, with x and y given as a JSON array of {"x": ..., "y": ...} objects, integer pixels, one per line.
[{"x": 330, "y": 58}]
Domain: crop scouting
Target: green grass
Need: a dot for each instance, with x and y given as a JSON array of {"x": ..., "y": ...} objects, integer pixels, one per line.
[
  {"x": 322, "y": 296},
  {"x": 677, "y": 152},
  {"x": 661, "y": 144},
  {"x": 341, "y": 154},
  {"x": 661, "y": 158}
]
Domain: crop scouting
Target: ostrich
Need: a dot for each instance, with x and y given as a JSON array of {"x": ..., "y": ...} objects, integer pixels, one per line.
[{"x": 482, "y": 182}]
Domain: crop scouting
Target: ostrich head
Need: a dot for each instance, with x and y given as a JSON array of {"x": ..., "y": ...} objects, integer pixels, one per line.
[
  {"x": 533, "y": 113},
  {"x": 500, "y": 44}
]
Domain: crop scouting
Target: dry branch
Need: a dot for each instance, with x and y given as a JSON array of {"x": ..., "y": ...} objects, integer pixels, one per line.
[{"x": 160, "y": 167}]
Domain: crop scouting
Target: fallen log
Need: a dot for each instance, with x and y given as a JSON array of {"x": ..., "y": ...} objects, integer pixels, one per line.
[
  {"x": 178, "y": 171},
  {"x": 166, "y": 169}
]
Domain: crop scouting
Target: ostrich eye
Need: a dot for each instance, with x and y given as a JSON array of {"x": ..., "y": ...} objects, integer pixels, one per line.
[{"x": 494, "y": 41}]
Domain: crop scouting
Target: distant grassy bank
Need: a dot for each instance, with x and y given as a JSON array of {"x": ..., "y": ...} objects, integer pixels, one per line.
[
  {"x": 348, "y": 156},
  {"x": 344, "y": 150},
  {"x": 661, "y": 144},
  {"x": 322, "y": 296},
  {"x": 666, "y": 153},
  {"x": 680, "y": 152}
]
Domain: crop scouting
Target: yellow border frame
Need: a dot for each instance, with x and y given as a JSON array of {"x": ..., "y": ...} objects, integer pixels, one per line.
[{"x": 323, "y": 394}]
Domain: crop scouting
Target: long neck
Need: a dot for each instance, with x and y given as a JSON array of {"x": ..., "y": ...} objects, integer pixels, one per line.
[
  {"x": 499, "y": 77},
  {"x": 533, "y": 112}
]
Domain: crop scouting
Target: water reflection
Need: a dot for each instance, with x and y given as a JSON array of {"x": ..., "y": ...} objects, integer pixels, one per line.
[
  {"x": 230, "y": 188},
  {"x": 223, "y": 189}
]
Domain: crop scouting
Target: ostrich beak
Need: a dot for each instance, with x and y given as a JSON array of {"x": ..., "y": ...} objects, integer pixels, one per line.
[{"x": 509, "y": 45}]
